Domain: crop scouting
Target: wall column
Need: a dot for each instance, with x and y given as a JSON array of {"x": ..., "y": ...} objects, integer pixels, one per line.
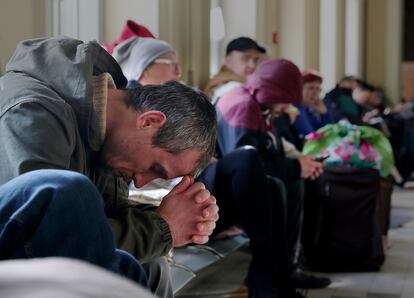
[
  {"x": 294, "y": 25},
  {"x": 393, "y": 84},
  {"x": 384, "y": 42},
  {"x": 267, "y": 25},
  {"x": 312, "y": 34},
  {"x": 354, "y": 37},
  {"x": 332, "y": 42},
  {"x": 185, "y": 25}
]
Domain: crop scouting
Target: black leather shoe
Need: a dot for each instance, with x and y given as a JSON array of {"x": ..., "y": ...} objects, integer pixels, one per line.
[
  {"x": 292, "y": 293},
  {"x": 264, "y": 292},
  {"x": 301, "y": 280}
]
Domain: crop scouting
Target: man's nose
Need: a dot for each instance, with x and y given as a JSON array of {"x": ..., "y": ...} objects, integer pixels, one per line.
[
  {"x": 177, "y": 71},
  {"x": 251, "y": 63},
  {"x": 140, "y": 180}
]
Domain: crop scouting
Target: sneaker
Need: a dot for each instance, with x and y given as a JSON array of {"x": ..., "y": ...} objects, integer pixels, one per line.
[{"x": 301, "y": 280}]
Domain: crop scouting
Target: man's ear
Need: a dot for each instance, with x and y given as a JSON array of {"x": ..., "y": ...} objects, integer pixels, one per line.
[
  {"x": 149, "y": 119},
  {"x": 227, "y": 60}
]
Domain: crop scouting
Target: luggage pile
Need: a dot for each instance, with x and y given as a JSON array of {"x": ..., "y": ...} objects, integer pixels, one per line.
[{"x": 347, "y": 208}]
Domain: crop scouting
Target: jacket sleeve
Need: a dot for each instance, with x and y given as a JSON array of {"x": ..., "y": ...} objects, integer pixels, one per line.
[
  {"x": 137, "y": 228},
  {"x": 302, "y": 123},
  {"x": 28, "y": 146}
]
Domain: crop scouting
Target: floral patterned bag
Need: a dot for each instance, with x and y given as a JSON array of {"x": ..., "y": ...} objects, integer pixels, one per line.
[{"x": 351, "y": 145}]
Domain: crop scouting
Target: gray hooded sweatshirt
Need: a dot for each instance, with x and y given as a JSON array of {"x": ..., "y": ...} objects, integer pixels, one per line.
[{"x": 47, "y": 121}]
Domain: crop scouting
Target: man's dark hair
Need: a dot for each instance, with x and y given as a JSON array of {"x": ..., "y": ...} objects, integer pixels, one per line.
[
  {"x": 365, "y": 86},
  {"x": 348, "y": 78},
  {"x": 243, "y": 44},
  {"x": 191, "y": 118}
]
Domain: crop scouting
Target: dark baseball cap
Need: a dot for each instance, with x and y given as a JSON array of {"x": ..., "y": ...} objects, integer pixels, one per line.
[{"x": 242, "y": 44}]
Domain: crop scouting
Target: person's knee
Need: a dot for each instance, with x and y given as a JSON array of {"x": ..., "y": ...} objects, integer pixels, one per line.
[
  {"x": 66, "y": 178},
  {"x": 248, "y": 157},
  {"x": 159, "y": 277},
  {"x": 72, "y": 186},
  {"x": 130, "y": 267},
  {"x": 59, "y": 177}
]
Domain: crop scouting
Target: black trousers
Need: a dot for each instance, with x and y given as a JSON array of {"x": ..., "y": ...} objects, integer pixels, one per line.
[{"x": 268, "y": 211}]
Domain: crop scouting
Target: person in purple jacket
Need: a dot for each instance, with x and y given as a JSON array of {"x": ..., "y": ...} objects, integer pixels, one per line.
[{"x": 245, "y": 117}]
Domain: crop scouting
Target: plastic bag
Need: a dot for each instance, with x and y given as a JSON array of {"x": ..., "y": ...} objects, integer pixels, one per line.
[{"x": 351, "y": 145}]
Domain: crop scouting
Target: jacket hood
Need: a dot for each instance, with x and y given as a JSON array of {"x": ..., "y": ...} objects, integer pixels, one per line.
[
  {"x": 66, "y": 65},
  {"x": 275, "y": 81}
]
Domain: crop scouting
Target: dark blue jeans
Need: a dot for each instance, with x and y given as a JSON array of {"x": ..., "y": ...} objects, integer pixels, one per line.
[{"x": 48, "y": 213}]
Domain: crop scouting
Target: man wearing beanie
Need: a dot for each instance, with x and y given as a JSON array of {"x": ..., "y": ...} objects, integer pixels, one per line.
[
  {"x": 242, "y": 57},
  {"x": 244, "y": 118},
  {"x": 147, "y": 61}
]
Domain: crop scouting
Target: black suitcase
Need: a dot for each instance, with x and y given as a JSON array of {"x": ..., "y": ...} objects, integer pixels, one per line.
[{"x": 342, "y": 231}]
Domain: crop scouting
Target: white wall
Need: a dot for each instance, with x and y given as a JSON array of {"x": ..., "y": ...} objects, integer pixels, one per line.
[
  {"x": 332, "y": 42},
  {"x": 19, "y": 19},
  {"x": 239, "y": 20},
  {"x": 116, "y": 12},
  {"x": 354, "y": 37}
]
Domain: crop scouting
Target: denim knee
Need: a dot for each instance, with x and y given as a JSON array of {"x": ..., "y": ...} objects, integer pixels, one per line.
[{"x": 56, "y": 213}]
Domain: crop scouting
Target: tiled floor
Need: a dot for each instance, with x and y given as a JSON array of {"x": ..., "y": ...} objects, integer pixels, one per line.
[{"x": 395, "y": 280}]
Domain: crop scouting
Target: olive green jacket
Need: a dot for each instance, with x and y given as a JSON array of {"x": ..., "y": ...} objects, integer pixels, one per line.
[{"x": 47, "y": 121}]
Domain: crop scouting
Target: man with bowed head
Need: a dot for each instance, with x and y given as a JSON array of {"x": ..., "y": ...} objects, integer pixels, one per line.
[
  {"x": 243, "y": 54},
  {"x": 81, "y": 154}
]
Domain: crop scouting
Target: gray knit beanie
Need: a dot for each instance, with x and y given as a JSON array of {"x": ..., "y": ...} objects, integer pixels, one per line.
[{"x": 134, "y": 55}]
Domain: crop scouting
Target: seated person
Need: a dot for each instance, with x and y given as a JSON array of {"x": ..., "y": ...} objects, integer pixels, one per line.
[
  {"x": 236, "y": 180},
  {"x": 245, "y": 118},
  {"x": 242, "y": 56},
  {"x": 350, "y": 104},
  {"x": 147, "y": 61},
  {"x": 69, "y": 96},
  {"x": 341, "y": 92},
  {"x": 313, "y": 113}
]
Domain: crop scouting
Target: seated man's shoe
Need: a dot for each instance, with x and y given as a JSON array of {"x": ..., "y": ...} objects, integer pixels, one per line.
[
  {"x": 265, "y": 292},
  {"x": 301, "y": 280},
  {"x": 291, "y": 293}
]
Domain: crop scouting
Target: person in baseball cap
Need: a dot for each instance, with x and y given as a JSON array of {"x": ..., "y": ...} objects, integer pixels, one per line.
[
  {"x": 242, "y": 56},
  {"x": 243, "y": 44}
]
